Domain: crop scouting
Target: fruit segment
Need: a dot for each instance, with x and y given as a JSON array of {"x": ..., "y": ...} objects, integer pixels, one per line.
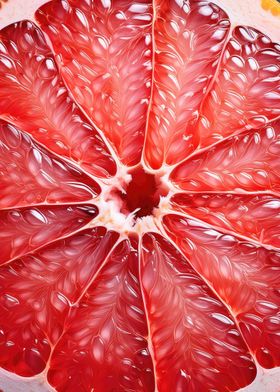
[
  {"x": 247, "y": 162},
  {"x": 253, "y": 216},
  {"x": 104, "y": 347},
  {"x": 34, "y": 98},
  {"x": 25, "y": 229},
  {"x": 103, "y": 49},
  {"x": 196, "y": 344},
  {"x": 29, "y": 175},
  {"x": 246, "y": 278},
  {"x": 188, "y": 41},
  {"x": 37, "y": 291},
  {"x": 246, "y": 92}
]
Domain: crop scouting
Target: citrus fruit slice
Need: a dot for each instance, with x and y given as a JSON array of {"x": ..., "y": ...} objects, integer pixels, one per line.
[
  {"x": 252, "y": 216},
  {"x": 49, "y": 282},
  {"x": 30, "y": 79},
  {"x": 111, "y": 75},
  {"x": 198, "y": 338},
  {"x": 29, "y": 175},
  {"x": 248, "y": 163},
  {"x": 245, "y": 276},
  {"x": 188, "y": 43},
  {"x": 27, "y": 228},
  {"x": 139, "y": 197},
  {"x": 105, "y": 346}
]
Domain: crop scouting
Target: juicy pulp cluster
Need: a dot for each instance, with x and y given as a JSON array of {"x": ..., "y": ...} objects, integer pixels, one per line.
[{"x": 139, "y": 199}]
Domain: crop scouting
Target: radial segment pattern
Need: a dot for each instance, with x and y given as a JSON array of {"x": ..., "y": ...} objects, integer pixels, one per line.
[{"x": 139, "y": 198}]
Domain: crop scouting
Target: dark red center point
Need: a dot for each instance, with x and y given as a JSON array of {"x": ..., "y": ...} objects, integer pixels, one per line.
[{"x": 142, "y": 193}]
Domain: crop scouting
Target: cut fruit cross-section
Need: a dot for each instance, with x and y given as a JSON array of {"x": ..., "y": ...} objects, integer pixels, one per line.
[
  {"x": 34, "y": 98},
  {"x": 139, "y": 197},
  {"x": 105, "y": 347},
  {"x": 248, "y": 162},
  {"x": 194, "y": 338},
  {"x": 25, "y": 229},
  {"x": 245, "y": 276},
  {"x": 103, "y": 50},
  {"x": 30, "y": 175},
  {"x": 188, "y": 41},
  {"x": 246, "y": 92},
  {"x": 37, "y": 292},
  {"x": 253, "y": 216}
]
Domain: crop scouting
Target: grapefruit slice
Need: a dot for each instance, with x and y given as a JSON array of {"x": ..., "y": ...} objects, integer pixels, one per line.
[
  {"x": 188, "y": 41},
  {"x": 198, "y": 339},
  {"x": 29, "y": 79},
  {"x": 29, "y": 175},
  {"x": 252, "y": 216},
  {"x": 105, "y": 344},
  {"x": 37, "y": 292},
  {"x": 246, "y": 92},
  {"x": 139, "y": 197},
  {"x": 25, "y": 229},
  {"x": 103, "y": 50},
  {"x": 245, "y": 163},
  {"x": 245, "y": 276}
]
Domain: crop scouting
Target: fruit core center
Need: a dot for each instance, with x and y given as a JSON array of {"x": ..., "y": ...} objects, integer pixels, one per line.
[{"x": 141, "y": 195}]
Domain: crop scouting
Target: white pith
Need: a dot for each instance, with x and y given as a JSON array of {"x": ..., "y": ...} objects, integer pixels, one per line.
[
  {"x": 109, "y": 208},
  {"x": 267, "y": 380}
]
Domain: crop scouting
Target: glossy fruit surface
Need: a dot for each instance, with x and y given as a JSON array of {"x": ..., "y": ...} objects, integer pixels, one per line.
[{"x": 139, "y": 199}]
